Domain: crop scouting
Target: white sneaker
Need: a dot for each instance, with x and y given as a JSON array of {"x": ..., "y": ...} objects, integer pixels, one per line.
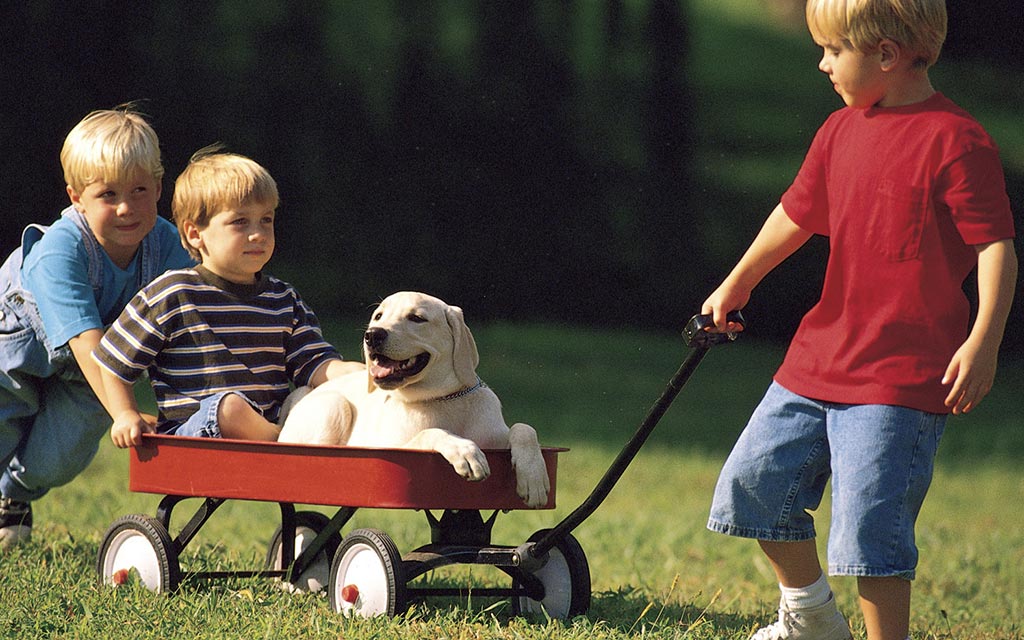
[{"x": 823, "y": 622}]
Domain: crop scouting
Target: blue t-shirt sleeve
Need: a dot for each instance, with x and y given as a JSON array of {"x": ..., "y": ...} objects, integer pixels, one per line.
[{"x": 55, "y": 272}]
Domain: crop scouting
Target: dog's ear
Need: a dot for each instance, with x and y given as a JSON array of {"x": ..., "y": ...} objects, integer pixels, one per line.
[{"x": 464, "y": 354}]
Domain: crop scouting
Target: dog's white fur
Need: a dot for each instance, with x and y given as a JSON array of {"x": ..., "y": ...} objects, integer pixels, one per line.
[{"x": 400, "y": 402}]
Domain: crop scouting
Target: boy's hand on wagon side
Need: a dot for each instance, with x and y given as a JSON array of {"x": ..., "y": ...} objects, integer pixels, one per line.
[{"x": 128, "y": 428}]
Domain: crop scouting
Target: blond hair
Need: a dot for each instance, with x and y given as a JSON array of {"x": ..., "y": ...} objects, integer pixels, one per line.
[
  {"x": 111, "y": 145},
  {"x": 918, "y": 26},
  {"x": 216, "y": 181}
]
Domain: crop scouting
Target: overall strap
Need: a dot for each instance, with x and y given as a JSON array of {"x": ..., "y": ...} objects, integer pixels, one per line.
[
  {"x": 149, "y": 258},
  {"x": 32, "y": 234},
  {"x": 93, "y": 250},
  {"x": 10, "y": 272}
]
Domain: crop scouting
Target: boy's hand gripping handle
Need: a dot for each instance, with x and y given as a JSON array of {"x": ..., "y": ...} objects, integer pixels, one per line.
[{"x": 697, "y": 334}]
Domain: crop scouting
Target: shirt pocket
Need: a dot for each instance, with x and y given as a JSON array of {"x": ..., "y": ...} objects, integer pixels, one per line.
[{"x": 896, "y": 222}]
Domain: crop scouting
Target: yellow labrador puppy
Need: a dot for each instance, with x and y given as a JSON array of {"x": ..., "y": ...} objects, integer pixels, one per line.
[{"x": 420, "y": 391}]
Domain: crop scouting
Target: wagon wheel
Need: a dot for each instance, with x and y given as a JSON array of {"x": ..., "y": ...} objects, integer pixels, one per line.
[
  {"x": 308, "y": 524},
  {"x": 366, "y": 576},
  {"x": 141, "y": 543},
  {"x": 566, "y": 580}
]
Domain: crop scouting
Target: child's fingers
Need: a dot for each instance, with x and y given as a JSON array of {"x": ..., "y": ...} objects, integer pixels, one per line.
[
  {"x": 965, "y": 396},
  {"x": 965, "y": 403},
  {"x": 136, "y": 433},
  {"x": 718, "y": 315},
  {"x": 958, "y": 396},
  {"x": 956, "y": 403},
  {"x": 953, "y": 375},
  {"x": 952, "y": 370},
  {"x": 956, "y": 393},
  {"x": 709, "y": 308}
]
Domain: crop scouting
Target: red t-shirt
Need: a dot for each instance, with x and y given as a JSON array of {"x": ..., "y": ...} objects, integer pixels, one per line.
[{"x": 902, "y": 193}]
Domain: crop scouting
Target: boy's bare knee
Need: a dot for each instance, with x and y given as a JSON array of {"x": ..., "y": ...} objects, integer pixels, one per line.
[
  {"x": 238, "y": 419},
  {"x": 232, "y": 407}
]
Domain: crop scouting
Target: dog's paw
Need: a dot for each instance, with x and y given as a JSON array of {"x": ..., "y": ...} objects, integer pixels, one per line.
[
  {"x": 532, "y": 482},
  {"x": 466, "y": 458}
]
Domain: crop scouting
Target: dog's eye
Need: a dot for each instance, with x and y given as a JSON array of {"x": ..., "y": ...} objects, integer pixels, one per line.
[
  {"x": 378, "y": 315},
  {"x": 418, "y": 319}
]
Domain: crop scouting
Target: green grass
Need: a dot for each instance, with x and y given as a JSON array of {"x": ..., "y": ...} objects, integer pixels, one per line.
[{"x": 656, "y": 571}]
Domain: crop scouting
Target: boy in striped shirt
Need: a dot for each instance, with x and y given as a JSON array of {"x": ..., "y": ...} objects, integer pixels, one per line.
[{"x": 222, "y": 341}]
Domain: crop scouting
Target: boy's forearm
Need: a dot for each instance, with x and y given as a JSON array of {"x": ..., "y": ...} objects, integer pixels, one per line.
[
  {"x": 129, "y": 425},
  {"x": 997, "y": 282},
  {"x": 332, "y": 369},
  {"x": 82, "y": 347},
  {"x": 120, "y": 394}
]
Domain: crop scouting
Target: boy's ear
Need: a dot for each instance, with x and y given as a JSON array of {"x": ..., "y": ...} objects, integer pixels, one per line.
[
  {"x": 76, "y": 198},
  {"x": 890, "y": 53},
  {"x": 191, "y": 235}
]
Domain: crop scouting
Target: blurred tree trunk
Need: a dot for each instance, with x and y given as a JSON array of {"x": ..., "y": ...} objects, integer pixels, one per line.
[{"x": 673, "y": 244}]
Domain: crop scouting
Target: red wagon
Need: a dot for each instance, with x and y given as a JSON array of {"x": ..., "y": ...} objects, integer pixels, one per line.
[{"x": 363, "y": 572}]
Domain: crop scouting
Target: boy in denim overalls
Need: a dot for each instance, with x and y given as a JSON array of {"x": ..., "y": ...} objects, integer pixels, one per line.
[{"x": 60, "y": 289}]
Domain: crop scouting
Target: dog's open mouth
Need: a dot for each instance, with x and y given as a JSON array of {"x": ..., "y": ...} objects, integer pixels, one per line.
[{"x": 389, "y": 373}]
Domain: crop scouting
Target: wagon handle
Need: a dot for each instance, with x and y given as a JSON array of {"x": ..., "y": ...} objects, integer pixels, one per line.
[{"x": 700, "y": 340}]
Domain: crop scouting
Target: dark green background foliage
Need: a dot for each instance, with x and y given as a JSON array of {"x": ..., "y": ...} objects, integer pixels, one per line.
[{"x": 598, "y": 162}]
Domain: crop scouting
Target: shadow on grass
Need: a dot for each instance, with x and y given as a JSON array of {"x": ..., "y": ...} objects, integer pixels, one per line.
[
  {"x": 631, "y": 611},
  {"x": 627, "y": 610}
]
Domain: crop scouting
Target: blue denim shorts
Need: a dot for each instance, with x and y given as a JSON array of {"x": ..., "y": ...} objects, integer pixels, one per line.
[
  {"x": 203, "y": 423},
  {"x": 880, "y": 459}
]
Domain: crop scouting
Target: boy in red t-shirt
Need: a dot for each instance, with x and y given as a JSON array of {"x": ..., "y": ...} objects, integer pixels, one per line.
[{"x": 910, "y": 192}]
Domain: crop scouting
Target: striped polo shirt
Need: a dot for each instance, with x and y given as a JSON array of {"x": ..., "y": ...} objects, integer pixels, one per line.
[{"x": 198, "y": 334}]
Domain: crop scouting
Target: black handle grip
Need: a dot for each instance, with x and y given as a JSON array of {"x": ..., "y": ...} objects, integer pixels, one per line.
[{"x": 697, "y": 336}]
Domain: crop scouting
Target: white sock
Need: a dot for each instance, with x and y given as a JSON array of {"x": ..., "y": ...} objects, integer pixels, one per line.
[{"x": 812, "y": 595}]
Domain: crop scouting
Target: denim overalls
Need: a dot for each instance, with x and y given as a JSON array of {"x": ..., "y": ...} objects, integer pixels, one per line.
[{"x": 50, "y": 420}]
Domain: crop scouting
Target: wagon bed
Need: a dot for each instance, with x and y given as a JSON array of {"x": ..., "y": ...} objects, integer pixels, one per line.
[
  {"x": 308, "y": 551},
  {"x": 323, "y": 475}
]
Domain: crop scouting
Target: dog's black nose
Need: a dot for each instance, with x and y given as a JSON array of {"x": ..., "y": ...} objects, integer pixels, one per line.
[{"x": 375, "y": 336}]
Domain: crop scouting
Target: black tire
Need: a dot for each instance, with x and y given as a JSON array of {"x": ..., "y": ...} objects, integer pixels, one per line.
[
  {"x": 367, "y": 579},
  {"x": 308, "y": 525},
  {"x": 140, "y": 543},
  {"x": 566, "y": 580}
]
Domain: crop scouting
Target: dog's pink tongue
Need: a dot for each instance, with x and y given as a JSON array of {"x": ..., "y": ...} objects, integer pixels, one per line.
[{"x": 382, "y": 367}]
